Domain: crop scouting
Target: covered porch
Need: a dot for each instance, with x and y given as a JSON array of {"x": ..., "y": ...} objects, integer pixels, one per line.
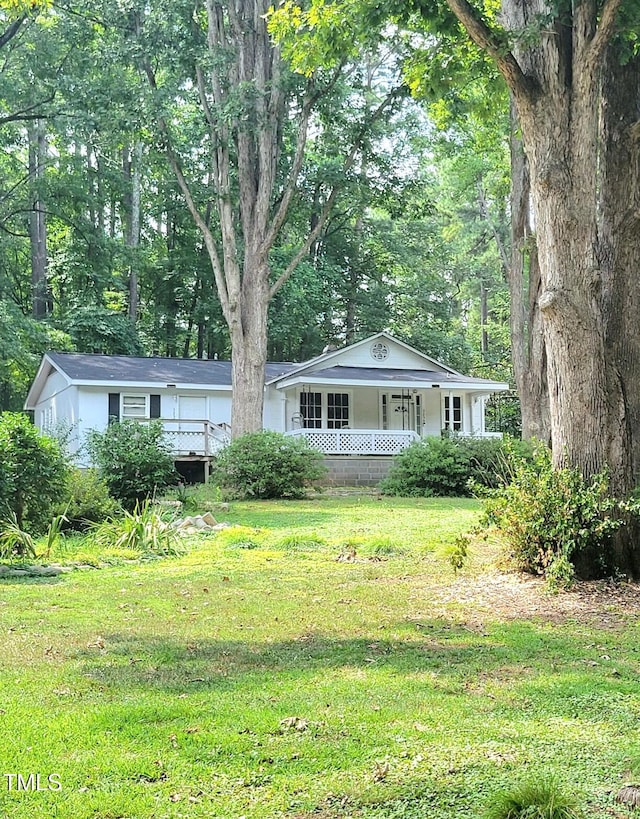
[
  {"x": 375, "y": 421},
  {"x": 357, "y": 441}
]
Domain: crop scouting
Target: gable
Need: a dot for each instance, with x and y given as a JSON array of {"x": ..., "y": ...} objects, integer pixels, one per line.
[{"x": 382, "y": 352}]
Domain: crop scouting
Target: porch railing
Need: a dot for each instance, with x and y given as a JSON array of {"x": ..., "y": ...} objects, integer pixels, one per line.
[
  {"x": 195, "y": 437},
  {"x": 357, "y": 441}
]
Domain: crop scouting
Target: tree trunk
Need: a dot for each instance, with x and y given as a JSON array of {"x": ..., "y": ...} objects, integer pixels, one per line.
[
  {"x": 620, "y": 259},
  {"x": 248, "y": 330},
  {"x": 523, "y": 274},
  {"x": 578, "y": 109},
  {"x": 131, "y": 171},
  {"x": 556, "y": 87},
  {"x": 41, "y": 297}
]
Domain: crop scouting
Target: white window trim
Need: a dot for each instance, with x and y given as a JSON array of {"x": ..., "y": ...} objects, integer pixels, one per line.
[
  {"x": 449, "y": 424},
  {"x": 139, "y": 399},
  {"x": 324, "y": 405}
]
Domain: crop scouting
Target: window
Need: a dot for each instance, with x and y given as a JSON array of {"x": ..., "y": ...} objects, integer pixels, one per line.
[
  {"x": 453, "y": 420},
  {"x": 46, "y": 419},
  {"x": 311, "y": 410},
  {"x": 379, "y": 351},
  {"x": 134, "y": 406},
  {"x": 337, "y": 410}
]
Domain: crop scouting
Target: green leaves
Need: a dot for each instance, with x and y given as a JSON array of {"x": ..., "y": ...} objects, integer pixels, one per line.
[
  {"x": 553, "y": 521},
  {"x": 132, "y": 459},
  {"x": 32, "y": 472},
  {"x": 268, "y": 465}
]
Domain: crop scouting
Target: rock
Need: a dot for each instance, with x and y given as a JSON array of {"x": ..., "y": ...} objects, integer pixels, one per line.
[
  {"x": 198, "y": 523},
  {"x": 45, "y": 571}
]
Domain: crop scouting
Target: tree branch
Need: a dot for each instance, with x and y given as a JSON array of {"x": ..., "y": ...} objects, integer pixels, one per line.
[
  {"x": 198, "y": 218},
  {"x": 10, "y": 32},
  {"x": 484, "y": 37},
  {"x": 24, "y": 115},
  {"x": 328, "y": 206},
  {"x": 605, "y": 31}
]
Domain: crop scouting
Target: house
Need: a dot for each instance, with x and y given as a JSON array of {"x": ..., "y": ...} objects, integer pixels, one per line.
[{"x": 359, "y": 404}]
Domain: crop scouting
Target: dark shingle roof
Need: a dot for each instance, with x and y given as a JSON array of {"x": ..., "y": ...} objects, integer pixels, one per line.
[{"x": 134, "y": 369}]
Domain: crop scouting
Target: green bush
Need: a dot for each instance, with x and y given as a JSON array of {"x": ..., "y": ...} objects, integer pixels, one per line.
[
  {"x": 132, "y": 459},
  {"x": 268, "y": 465},
  {"x": 33, "y": 471},
  {"x": 443, "y": 466},
  {"x": 554, "y": 522},
  {"x": 86, "y": 500}
]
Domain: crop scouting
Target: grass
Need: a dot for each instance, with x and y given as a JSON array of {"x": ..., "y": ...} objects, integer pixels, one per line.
[{"x": 278, "y": 681}]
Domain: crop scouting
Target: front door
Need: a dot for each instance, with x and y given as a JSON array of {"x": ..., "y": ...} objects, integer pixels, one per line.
[
  {"x": 192, "y": 407},
  {"x": 399, "y": 410}
]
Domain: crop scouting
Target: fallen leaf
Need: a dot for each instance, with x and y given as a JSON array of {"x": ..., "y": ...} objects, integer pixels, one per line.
[
  {"x": 380, "y": 771},
  {"x": 97, "y": 643},
  {"x": 295, "y": 723}
]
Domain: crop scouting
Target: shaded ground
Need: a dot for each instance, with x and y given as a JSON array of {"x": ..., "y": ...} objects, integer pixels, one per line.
[{"x": 515, "y": 596}]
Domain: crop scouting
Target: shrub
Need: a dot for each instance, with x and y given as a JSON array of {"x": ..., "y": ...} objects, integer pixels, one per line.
[
  {"x": 33, "y": 471},
  {"x": 268, "y": 465},
  {"x": 141, "y": 530},
  {"x": 555, "y": 522},
  {"x": 86, "y": 500},
  {"x": 132, "y": 459},
  {"x": 543, "y": 799},
  {"x": 444, "y": 466}
]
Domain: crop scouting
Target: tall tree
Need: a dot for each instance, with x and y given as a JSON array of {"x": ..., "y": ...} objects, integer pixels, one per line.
[
  {"x": 560, "y": 82},
  {"x": 573, "y": 70},
  {"x": 257, "y": 117}
]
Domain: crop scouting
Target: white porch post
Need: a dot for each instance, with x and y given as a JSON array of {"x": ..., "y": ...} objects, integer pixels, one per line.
[
  {"x": 283, "y": 411},
  {"x": 466, "y": 410}
]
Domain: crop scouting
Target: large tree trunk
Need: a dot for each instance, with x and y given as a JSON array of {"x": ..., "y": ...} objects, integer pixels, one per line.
[
  {"x": 249, "y": 351},
  {"x": 620, "y": 263},
  {"x": 527, "y": 338},
  {"x": 578, "y": 110},
  {"x": 587, "y": 402}
]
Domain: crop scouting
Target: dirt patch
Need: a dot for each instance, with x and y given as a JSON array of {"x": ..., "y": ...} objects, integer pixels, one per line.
[{"x": 514, "y": 596}]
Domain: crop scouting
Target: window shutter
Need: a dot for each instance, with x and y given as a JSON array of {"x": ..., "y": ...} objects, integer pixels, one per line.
[
  {"x": 114, "y": 407},
  {"x": 154, "y": 406}
]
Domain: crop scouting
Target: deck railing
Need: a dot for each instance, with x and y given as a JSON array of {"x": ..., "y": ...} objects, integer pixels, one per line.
[
  {"x": 195, "y": 437},
  {"x": 357, "y": 441}
]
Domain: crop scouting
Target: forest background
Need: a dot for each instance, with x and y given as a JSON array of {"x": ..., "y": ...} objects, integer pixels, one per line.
[{"x": 99, "y": 253}]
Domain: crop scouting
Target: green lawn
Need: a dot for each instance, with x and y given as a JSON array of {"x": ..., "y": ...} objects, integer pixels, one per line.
[{"x": 279, "y": 681}]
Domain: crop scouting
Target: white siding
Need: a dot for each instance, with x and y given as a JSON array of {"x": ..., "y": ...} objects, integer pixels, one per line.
[
  {"x": 360, "y": 356},
  {"x": 365, "y": 408},
  {"x": 277, "y": 411},
  {"x": 55, "y": 383}
]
